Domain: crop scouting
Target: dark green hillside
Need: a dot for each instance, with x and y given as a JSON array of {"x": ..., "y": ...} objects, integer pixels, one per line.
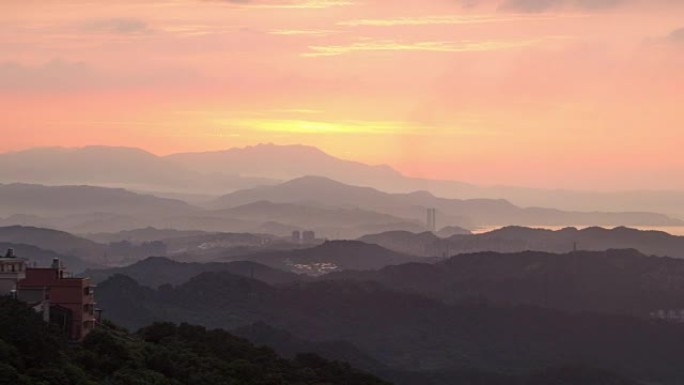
[
  {"x": 157, "y": 271},
  {"x": 614, "y": 281},
  {"x": 163, "y": 353},
  {"x": 404, "y": 331}
]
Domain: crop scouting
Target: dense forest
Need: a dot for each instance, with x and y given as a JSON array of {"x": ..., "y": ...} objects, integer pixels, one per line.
[
  {"x": 31, "y": 353},
  {"x": 407, "y": 331},
  {"x": 623, "y": 282}
]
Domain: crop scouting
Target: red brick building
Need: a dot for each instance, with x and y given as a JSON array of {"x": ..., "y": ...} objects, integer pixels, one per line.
[{"x": 71, "y": 300}]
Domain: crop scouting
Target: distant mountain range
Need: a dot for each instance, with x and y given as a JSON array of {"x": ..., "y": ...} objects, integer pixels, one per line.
[
  {"x": 43, "y": 258},
  {"x": 324, "y": 192},
  {"x": 56, "y": 241},
  {"x": 623, "y": 282},
  {"x": 138, "y": 235},
  {"x": 31, "y": 199},
  {"x": 195, "y": 175},
  {"x": 519, "y": 239},
  {"x": 87, "y": 209},
  {"x": 158, "y": 271},
  {"x": 271, "y": 161},
  {"x": 332, "y": 256},
  {"x": 129, "y": 168},
  {"x": 337, "y": 222},
  {"x": 370, "y": 252},
  {"x": 332, "y": 209}
]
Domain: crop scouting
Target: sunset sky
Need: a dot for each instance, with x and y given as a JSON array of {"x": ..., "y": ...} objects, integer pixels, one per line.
[{"x": 556, "y": 93}]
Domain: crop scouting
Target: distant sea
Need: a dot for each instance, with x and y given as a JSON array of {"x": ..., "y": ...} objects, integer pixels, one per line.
[{"x": 674, "y": 230}]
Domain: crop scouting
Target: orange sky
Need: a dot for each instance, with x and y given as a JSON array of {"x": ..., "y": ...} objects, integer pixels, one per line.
[{"x": 554, "y": 93}]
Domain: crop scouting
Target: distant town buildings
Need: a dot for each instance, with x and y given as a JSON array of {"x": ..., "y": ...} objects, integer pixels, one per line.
[
  {"x": 672, "y": 315},
  {"x": 431, "y": 219},
  {"x": 304, "y": 237},
  {"x": 67, "y": 302},
  {"x": 308, "y": 237}
]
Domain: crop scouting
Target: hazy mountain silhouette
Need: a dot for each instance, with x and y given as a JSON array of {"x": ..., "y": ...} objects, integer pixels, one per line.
[
  {"x": 95, "y": 165},
  {"x": 110, "y": 166},
  {"x": 87, "y": 253},
  {"x": 87, "y": 209},
  {"x": 40, "y": 200},
  {"x": 282, "y": 162},
  {"x": 337, "y": 255},
  {"x": 43, "y": 257},
  {"x": 157, "y": 271},
  {"x": 318, "y": 190},
  {"x": 517, "y": 239},
  {"x": 222, "y": 247},
  {"x": 264, "y": 210},
  {"x": 57, "y": 241},
  {"x": 450, "y": 231},
  {"x": 147, "y": 234},
  {"x": 424, "y": 243},
  {"x": 205, "y": 173},
  {"x": 332, "y": 222},
  {"x": 289, "y": 162},
  {"x": 325, "y": 192}
]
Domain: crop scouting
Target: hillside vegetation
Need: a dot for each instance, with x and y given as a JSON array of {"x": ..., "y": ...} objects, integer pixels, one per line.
[{"x": 163, "y": 353}]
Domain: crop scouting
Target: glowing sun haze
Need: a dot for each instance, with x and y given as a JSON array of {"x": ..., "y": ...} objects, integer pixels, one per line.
[{"x": 556, "y": 93}]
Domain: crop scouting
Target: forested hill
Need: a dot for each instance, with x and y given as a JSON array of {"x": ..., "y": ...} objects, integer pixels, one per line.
[
  {"x": 163, "y": 353},
  {"x": 409, "y": 332}
]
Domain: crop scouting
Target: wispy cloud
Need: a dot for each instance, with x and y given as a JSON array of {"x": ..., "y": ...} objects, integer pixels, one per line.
[
  {"x": 123, "y": 25},
  {"x": 299, "y": 32},
  {"x": 532, "y": 6},
  {"x": 677, "y": 35},
  {"x": 546, "y": 5},
  {"x": 424, "y": 46},
  {"x": 303, "y": 4},
  {"x": 299, "y": 111},
  {"x": 443, "y": 20},
  {"x": 288, "y": 126}
]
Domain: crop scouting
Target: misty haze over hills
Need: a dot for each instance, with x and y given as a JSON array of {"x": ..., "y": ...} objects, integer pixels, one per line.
[
  {"x": 129, "y": 168},
  {"x": 283, "y": 163},
  {"x": 520, "y": 239},
  {"x": 468, "y": 213},
  {"x": 197, "y": 175},
  {"x": 333, "y": 209}
]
